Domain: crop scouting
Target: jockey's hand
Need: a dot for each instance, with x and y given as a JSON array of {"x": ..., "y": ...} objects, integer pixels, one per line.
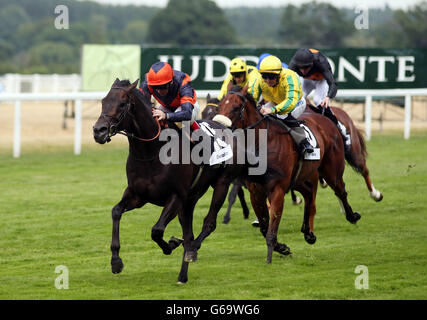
[
  {"x": 265, "y": 111},
  {"x": 325, "y": 102},
  {"x": 159, "y": 113}
]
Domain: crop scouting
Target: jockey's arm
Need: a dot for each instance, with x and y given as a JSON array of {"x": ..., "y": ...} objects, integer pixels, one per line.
[
  {"x": 224, "y": 87},
  {"x": 293, "y": 94},
  {"x": 254, "y": 87},
  {"x": 183, "y": 115}
]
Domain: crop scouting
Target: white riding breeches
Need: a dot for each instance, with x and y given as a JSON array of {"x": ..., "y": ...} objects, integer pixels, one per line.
[
  {"x": 298, "y": 110},
  {"x": 320, "y": 88}
]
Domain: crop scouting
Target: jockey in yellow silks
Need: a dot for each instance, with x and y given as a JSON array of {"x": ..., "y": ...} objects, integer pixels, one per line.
[
  {"x": 240, "y": 74},
  {"x": 281, "y": 89}
]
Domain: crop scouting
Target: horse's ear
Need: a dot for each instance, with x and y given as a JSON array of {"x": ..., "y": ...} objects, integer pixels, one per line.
[
  {"x": 132, "y": 86},
  {"x": 245, "y": 89},
  {"x": 230, "y": 85},
  {"x": 116, "y": 82},
  {"x": 208, "y": 97}
]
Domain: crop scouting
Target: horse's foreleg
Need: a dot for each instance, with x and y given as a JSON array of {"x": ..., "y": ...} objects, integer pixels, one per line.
[
  {"x": 245, "y": 208},
  {"x": 276, "y": 209},
  {"x": 128, "y": 202},
  {"x": 209, "y": 223},
  {"x": 258, "y": 199},
  {"x": 172, "y": 208}
]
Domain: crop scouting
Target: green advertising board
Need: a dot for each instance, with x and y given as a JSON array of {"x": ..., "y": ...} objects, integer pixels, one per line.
[
  {"x": 102, "y": 64},
  {"x": 353, "y": 68}
]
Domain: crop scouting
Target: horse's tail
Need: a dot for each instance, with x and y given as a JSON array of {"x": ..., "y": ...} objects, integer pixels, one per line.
[{"x": 353, "y": 156}]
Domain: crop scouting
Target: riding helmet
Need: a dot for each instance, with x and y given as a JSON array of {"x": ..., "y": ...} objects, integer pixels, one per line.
[
  {"x": 270, "y": 64},
  {"x": 160, "y": 73},
  {"x": 303, "y": 58},
  {"x": 237, "y": 65}
]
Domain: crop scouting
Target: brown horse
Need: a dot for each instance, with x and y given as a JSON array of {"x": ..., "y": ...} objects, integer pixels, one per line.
[
  {"x": 285, "y": 170},
  {"x": 357, "y": 153},
  {"x": 175, "y": 187},
  {"x": 209, "y": 112}
]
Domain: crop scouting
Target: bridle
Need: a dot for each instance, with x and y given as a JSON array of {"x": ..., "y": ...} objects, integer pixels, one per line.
[
  {"x": 242, "y": 107},
  {"x": 113, "y": 127}
]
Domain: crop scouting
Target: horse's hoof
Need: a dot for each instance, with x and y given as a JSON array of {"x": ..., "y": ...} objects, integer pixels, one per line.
[
  {"x": 226, "y": 221},
  {"x": 354, "y": 218},
  {"x": 379, "y": 198},
  {"x": 190, "y": 256},
  {"x": 116, "y": 265},
  {"x": 310, "y": 238},
  {"x": 282, "y": 249},
  {"x": 297, "y": 201},
  {"x": 175, "y": 242},
  {"x": 255, "y": 223}
]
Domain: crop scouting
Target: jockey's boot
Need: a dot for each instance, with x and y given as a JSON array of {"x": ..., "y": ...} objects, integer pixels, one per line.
[
  {"x": 298, "y": 134},
  {"x": 343, "y": 130}
]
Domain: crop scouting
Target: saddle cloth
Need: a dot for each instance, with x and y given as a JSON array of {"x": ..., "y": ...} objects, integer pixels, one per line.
[{"x": 221, "y": 150}]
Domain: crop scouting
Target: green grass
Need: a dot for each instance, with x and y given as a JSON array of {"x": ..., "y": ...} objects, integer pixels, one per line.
[{"x": 56, "y": 210}]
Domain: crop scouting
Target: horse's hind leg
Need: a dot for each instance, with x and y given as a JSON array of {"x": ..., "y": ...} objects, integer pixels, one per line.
[
  {"x": 129, "y": 201},
  {"x": 309, "y": 190},
  {"x": 245, "y": 208},
  {"x": 339, "y": 188},
  {"x": 231, "y": 199},
  {"x": 374, "y": 193},
  {"x": 171, "y": 209}
]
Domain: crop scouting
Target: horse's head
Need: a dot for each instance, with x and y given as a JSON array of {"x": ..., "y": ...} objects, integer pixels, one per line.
[
  {"x": 233, "y": 110},
  {"x": 211, "y": 108},
  {"x": 115, "y": 107}
]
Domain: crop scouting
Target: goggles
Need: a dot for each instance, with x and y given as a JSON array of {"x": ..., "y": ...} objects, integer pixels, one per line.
[
  {"x": 270, "y": 76},
  {"x": 238, "y": 74},
  {"x": 162, "y": 86}
]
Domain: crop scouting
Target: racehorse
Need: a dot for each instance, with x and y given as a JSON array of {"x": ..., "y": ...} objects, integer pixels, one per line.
[
  {"x": 356, "y": 157},
  {"x": 285, "y": 169},
  {"x": 209, "y": 112},
  {"x": 175, "y": 187}
]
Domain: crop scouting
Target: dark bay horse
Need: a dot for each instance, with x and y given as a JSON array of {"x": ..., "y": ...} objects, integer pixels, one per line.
[
  {"x": 209, "y": 112},
  {"x": 284, "y": 168},
  {"x": 356, "y": 157},
  {"x": 175, "y": 187}
]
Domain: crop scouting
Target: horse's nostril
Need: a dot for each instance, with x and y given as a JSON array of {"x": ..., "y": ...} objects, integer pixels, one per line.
[{"x": 100, "y": 130}]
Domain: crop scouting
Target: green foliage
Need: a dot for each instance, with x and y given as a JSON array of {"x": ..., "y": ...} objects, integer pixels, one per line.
[
  {"x": 314, "y": 25},
  {"x": 25, "y": 24},
  {"x": 56, "y": 210},
  {"x": 191, "y": 22}
]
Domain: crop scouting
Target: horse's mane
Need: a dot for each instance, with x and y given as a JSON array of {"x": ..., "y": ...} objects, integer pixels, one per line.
[
  {"x": 248, "y": 95},
  {"x": 144, "y": 98}
]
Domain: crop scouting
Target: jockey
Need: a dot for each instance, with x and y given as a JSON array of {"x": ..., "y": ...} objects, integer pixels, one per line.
[
  {"x": 316, "y": 74},
  {"x": 173, "y": 90},
  {"x": 263, "y": 55},
  {"x": 240, "y": 74},
  {"x": 281, "y": 88}
]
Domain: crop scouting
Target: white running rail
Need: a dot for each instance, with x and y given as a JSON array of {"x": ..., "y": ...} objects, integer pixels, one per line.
[{"x": 78, "y": 97}]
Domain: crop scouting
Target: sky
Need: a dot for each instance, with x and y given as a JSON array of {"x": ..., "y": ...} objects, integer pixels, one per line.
[{"x": 395, "y": 4}]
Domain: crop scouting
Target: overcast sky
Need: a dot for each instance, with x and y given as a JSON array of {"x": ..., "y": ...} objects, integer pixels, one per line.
[{"x": 401, "y": 4}]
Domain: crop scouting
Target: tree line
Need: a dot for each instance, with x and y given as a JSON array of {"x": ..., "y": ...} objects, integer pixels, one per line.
[{"x": 30, "y": 42}]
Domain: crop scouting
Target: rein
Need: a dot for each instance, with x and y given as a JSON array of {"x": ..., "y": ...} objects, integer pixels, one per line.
[
  {"x": 127, "y": 134},
  {"x": 242, "y": 109}
]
